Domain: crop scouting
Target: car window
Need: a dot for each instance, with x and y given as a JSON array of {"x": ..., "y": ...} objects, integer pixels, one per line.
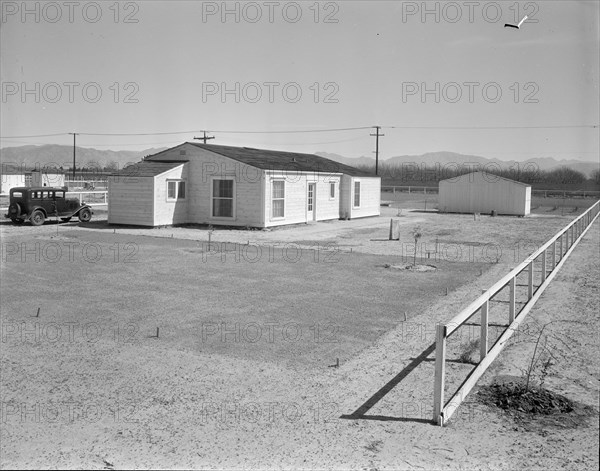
[
  {"x": 17, "y": 194},
  {"x": 60, "y": 194},
  {"x": 44, "y": 194},
  {"x": 34, "y": 194}
]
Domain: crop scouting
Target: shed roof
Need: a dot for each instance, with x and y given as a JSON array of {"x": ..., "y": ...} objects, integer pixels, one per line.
[
  {"x": 277, "y": 160},
  {"x": 149, "y": 168},
  {"x": 488, "y": 177}
]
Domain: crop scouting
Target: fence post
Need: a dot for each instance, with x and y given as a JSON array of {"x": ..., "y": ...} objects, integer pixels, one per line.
[
  {"x": 561, "y": 245},
  {"x": 544, "y": 256},
  {"x": 440, "y": 374},
  {"x": 553, "y": 255},
  {"x": 512, "y": 299},
  {"x": 483, "y": 336},
  {"x": 530, "y": 281}
]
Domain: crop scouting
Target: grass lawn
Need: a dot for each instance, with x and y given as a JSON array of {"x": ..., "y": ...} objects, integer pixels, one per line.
[{"x": 299, "y": 307}]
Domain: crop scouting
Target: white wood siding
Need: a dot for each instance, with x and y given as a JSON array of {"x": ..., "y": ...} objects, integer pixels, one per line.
[
  {"x": 11, "y": 181},
  {"x": 47, "y": 179},
  {"x": 204, "y": 165},
  {"x": 170, "y": 212},
  {"x": 370, "y": 197},
  {"x": 296, "y": 194},
  {"x": 131, "y": 200},
  {"x": 483, "y": 193}
]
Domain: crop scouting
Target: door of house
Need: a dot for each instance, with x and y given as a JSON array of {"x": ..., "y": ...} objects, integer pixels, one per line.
[{"x": 310, "y": 202}]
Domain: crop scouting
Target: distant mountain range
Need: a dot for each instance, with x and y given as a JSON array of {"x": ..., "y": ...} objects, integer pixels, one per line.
[
  {"x": 60, "y": 155},
  {"x": 432, "y": 159}
]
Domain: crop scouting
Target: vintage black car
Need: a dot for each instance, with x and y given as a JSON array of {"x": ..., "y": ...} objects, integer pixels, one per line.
[{"x": 36, "y": 204}]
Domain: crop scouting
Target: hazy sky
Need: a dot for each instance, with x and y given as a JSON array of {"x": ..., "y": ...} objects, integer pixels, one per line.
[{"x": 150, "y": 67}]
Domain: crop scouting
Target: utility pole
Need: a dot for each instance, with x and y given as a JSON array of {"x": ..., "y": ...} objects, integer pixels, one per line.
[
  {"x": 204, "y": 138},
  {"x": 74, "y": 136},
  {"x": 377, "y": 135}
]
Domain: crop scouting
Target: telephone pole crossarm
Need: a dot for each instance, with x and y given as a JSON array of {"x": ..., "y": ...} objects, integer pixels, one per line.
[{"x": 204, "y": 138}]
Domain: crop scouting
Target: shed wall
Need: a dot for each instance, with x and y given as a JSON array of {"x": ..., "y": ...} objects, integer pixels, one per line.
[
  {"x": 131, "y": 200},
  {"x": 170, "y": 212},
  {"x": 476, "y": 193}
]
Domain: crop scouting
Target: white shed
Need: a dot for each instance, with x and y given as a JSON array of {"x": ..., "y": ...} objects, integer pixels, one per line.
[{"x": 482, "y": 192}]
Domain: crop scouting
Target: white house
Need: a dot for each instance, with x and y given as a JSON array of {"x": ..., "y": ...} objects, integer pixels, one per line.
[
  {"x": 239, "y": 186},
  {"x": 482, "y": 192},
  {"x": 11, "y": 176}
]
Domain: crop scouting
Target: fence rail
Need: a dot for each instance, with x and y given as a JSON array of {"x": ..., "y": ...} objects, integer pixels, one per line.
[
  {"x": 96, "y": 193},
  {"x": 429, "y": 190},
  {"x": 557, "y": 249}
]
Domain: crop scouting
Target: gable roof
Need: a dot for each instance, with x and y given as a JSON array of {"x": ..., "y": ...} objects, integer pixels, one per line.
[
  {"x": 488, "y": 177},
  {"x": 148, "y": 168},
  {"x": 276, "y": 160}
]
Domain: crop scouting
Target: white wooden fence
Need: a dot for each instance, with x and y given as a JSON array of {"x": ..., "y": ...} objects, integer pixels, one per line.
[
  {"x": 557, "y": 249},
  {"x": 103, "y": 195}
]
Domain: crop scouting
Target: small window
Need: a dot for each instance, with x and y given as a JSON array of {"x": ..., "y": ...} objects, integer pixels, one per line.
[
  {"x": 278, "y": 197},
  {"x": 175, "y": 190},
  {"x": 60, "y": 194},
  {"x": 222, "y": 199},
  {"x": 17, "y": 194},
  {"x": 356, "y": 194},
  {"x": 332, "y": 191}
]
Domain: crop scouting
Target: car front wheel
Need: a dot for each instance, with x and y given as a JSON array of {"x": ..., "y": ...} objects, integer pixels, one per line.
[
  {"x": 37, "y": 218},
  {"x": 85, "y": 215}
]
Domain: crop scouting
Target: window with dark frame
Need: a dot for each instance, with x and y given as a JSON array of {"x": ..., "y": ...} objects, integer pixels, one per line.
[
  {"x": 222, "y": 198},
  {"x": 278, "y": 197},
  {"x": 356, "y": 194}
]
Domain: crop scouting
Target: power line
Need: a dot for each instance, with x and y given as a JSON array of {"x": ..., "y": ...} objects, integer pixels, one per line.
[{"x": 591, "y": 126}]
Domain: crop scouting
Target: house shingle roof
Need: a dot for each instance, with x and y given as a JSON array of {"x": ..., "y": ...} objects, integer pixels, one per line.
[
  {"x": 149, "y": 168},
  {"x": 278, "y": 160}
]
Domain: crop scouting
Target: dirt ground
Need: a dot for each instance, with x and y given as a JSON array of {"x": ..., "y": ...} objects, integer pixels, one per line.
[{"x": 108, "y": 393}]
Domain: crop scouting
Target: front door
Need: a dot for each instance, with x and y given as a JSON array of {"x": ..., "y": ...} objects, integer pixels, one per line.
[{"x": 310, "y": 202}]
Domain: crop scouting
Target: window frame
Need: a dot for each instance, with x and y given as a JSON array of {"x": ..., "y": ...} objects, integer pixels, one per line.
[
  {"x": 178, "y": 185},
  {"x": 331, "y": 190},
  {"x": 355, "y": 194},
  {"x": 273, "y": 181},
  {"x": 212, "y": 197}
]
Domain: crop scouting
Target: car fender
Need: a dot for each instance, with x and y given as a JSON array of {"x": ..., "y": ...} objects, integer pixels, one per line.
[
  {"x": 82, "y": 207},
  {"x": 34, "y": 209}
]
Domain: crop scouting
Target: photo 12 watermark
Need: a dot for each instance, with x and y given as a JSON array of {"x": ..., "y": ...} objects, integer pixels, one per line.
[
  {"x": 70, "y": 12},
  {"x": 270, "y": 92},
  {"x": 70, "y": 92},
  {"x": 54, "y": 412},
  {"x": 468, "y": 12},
  {"x": 276, "y": 252},
  {"x": 469, "y": 92},
  {"x": 271, "y": 12},
  {"x": 226, "y": 414},
  {"x": 68, "y": 251},
  {"x": 268, "y": 332},
  {"x": 16, "y": 332}
]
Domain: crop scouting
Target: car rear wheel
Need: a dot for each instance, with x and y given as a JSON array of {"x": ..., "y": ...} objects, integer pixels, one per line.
[
  {"x": 85, "y": 215},
  {"x": 17, "y": 220},
  {"x": 65, "y": 219},
  {"x": 37, "y": 218}
]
